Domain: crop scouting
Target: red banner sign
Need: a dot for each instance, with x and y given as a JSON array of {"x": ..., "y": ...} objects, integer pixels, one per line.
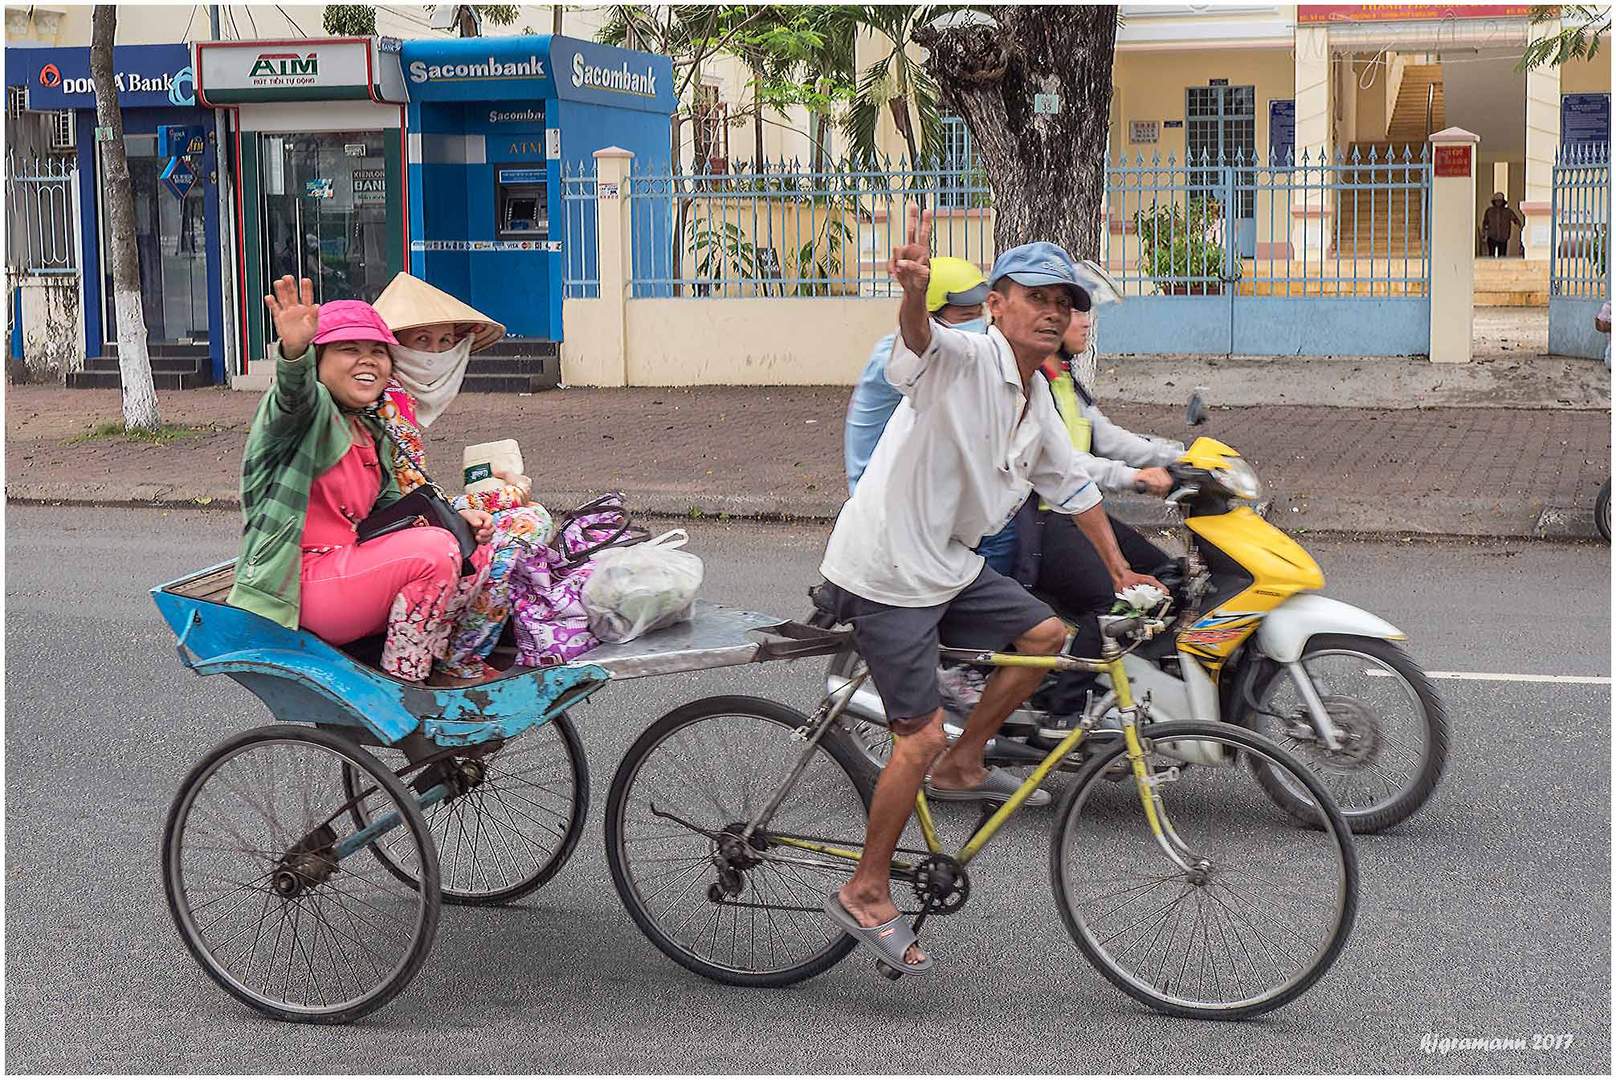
[
  {"x": 1453, "y": 160},
  {"x": 1329, "y": 13}
]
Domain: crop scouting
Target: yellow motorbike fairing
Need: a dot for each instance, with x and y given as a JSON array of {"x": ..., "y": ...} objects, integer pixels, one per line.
[
  {"x": 1278, "y": 565},
  {"x": 1205, "y": 453}
]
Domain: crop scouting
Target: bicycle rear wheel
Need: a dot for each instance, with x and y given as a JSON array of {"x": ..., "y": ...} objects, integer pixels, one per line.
[
  {"x": 1252, "y": 911},
  {"x": 733, "y": 911}
]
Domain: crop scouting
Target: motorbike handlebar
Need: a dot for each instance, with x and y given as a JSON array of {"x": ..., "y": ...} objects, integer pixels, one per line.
[{"x": 1122, "y": 628}]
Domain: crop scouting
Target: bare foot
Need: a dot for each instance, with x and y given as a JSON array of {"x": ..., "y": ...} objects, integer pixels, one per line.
[{"x": 874, "y": 912}]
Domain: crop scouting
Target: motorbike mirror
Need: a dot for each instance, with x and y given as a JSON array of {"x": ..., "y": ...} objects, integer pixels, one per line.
[{"x": 1195, "y": 410}]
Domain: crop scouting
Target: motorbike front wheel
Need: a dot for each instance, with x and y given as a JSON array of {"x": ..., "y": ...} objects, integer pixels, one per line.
[
  {"x": 1391, "y": 724},
  {"x": 1602, "y": 512}
]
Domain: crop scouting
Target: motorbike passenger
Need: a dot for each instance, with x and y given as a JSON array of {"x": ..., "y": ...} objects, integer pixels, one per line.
[
  {"x": 1055, "y": 559},
  {"x": 976, "y": 432},
  {"x": 313, "y": 470},
  {"x": 437, "y": 334}
]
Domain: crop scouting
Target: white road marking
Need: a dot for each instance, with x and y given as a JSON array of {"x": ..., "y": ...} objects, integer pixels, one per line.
[{"x": 1499, "y": 676}]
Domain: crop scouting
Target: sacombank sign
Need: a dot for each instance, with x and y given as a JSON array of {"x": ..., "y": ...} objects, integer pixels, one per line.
[
  {"x": 531, "y": 68},
  {"x": 618, "y": 79}
]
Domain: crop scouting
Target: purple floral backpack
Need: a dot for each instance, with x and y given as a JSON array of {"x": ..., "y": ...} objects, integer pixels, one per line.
[{"x": 547, "y": 582}]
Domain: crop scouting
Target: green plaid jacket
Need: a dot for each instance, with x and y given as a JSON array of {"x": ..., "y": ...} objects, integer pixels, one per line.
[{"x": 298, "y": 433}]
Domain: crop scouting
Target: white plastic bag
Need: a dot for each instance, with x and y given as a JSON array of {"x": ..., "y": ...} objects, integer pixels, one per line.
[{"x": 634, "y": 590}]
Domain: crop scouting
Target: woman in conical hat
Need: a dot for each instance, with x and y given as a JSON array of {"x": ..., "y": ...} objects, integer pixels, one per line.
[{"x": 437, "y": 334}]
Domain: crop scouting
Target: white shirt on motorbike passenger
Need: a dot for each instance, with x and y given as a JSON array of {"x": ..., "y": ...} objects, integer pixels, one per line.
[{"x": 958, "y": 458}]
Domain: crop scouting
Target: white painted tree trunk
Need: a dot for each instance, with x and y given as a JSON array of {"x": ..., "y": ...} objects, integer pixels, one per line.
[{"x": 134, "y": 364}]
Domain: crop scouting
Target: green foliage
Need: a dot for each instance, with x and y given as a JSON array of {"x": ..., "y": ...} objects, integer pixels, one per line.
[
  {"x": 724, "y": 252},
  {"x": 350, "y": 20},
  {"x": 159, "y": 436},
  {"x": 1580, "y": 40},
  {"x": 498, "y": 14},
  {"x": 1178, "y": 246}
]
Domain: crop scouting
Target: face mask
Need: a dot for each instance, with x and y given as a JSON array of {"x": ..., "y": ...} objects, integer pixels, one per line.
[
  {"x": 432, "y": 378},
  {"x": 973, "y": 326}
]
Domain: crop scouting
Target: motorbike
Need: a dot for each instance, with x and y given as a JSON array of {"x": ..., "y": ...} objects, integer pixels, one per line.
[
  {"x": 1602, "y": 511},
  {"x": 1255, "y": 644}
]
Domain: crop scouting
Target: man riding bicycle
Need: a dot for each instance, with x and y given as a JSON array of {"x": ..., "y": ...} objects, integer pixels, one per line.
[{"x": 977, "y": 431}]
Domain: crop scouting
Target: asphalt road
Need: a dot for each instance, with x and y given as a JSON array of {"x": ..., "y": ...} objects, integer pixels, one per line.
[{"x": 1486, "y": 916}]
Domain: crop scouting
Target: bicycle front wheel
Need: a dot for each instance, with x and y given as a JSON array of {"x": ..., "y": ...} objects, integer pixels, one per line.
[
  {"x": 1232, "y": 911},
  {"x": 739, "y": 912}
]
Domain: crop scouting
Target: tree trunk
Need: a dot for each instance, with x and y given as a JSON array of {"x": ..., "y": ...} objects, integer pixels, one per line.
[
  {"x": 134, "y": 365},
  {"x": 757, "y": 121},
  {"x": 1047, "y": 170},
  {"x": 558, "y": 15}
]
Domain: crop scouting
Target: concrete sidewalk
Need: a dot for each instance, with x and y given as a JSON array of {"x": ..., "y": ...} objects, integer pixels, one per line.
[{"x": 776, "y": 452}]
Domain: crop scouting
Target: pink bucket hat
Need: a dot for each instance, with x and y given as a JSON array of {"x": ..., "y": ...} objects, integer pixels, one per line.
[{"x": 351, "y": 320}]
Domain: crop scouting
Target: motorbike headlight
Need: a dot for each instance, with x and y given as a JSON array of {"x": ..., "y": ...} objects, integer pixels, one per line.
[{"x": 1240, "y": 479}]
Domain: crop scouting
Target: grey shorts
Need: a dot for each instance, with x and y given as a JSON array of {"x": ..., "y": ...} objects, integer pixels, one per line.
[{"x": 900, "y": 643}]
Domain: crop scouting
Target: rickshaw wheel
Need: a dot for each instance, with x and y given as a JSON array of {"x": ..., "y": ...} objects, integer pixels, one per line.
[
  {"x": 264, "y": 899},
  {"x": 515, "y": 823}
]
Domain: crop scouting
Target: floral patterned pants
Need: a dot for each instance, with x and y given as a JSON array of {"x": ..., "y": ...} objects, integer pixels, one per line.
[{"x": 483, "y": 614}]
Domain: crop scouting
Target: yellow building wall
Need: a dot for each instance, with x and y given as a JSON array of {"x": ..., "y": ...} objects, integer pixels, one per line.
[
  {"x": 1588, "y": 76},
  {"x": 1150, "y": 85}
]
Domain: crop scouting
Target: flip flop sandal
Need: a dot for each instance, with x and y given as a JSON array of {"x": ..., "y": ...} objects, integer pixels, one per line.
[
  {"x": 890, "y": 941},
  {"x": 998, "y": 786}
]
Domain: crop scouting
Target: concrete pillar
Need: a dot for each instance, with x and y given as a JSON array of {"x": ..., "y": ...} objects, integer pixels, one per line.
[
  {"x": 1453, "y": 246},
  {"x": 1311, "y": 215},
  {"x": 613, "y": 263},
  {"x": 1542, "y": 144}
]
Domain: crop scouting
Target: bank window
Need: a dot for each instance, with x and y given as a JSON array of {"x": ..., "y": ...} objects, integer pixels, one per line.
[
  {"x": 710, "y": 129},
  {"x": 961, "y": 182}
]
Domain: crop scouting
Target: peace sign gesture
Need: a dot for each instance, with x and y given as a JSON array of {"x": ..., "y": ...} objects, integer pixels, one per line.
[
  {"x": 910, "y": 264},
  {"x": 295, "y": 314}
]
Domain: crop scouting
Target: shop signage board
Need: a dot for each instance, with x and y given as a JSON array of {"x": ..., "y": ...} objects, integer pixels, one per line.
[
  {"x": 1585, "y": 120},
  {"x": 1281, "y": 131},
  {"x": 1453, "y": 160},
  {"x": 148, "y": 76},
  {"x": 1328, "y": 13},
  {"x": 179, "y": 176},
  {"x": 522, "y": 71},
  {"x": 370, "y": 185},
  {"x": 329, "y": 69},
  {"x": 1144, "y": 131},
  {"x": 181, "y": 140}
]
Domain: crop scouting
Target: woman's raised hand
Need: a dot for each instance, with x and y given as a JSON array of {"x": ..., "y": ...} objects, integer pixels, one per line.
[{"x": 295, "y": 314}]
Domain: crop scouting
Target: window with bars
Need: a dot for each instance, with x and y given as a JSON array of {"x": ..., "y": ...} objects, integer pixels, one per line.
[
  {"x": 710, "y": 128},
  {"x": 1220, "y": 129},
  {"x": 962, "y": 178}
]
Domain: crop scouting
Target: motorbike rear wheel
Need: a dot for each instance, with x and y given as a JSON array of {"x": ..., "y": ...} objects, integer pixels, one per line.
[
  {"x": 1394, "y": 723},
  {"x": 1602, "y": 512}
]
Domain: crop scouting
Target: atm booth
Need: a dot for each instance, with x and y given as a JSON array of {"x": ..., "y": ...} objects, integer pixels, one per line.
[{"x": 490, "y": 122}]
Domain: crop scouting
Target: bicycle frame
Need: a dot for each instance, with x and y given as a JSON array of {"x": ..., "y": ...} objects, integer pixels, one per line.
[{"x": 830, "y": 709}]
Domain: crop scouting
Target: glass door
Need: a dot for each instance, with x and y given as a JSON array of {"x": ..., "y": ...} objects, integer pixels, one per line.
[
  {"x": 325, "y": 212},
  {"x": 170, "y": 242}
]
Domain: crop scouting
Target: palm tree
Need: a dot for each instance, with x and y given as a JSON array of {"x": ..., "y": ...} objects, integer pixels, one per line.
[{"x": 896, "y": 82}]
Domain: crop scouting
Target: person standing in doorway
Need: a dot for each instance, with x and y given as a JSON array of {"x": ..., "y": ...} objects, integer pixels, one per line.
[{"x": 1496, "y": 224}]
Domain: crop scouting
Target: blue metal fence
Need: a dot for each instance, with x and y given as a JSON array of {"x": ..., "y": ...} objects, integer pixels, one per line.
[
  {"x": 580, "y": 274},
  {"x": 1579, "y": 249},
  {"x": 1234, "y": 255},
  {"x": 785, "y": 230},
  {"x": 1242, "y": 255}
]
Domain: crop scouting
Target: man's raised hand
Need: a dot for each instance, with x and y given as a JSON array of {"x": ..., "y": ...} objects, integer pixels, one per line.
[{"x": 910, "y": 264}]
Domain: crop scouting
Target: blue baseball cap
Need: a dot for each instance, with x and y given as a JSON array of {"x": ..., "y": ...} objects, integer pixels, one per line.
[{"x": 1042, "y": 263}]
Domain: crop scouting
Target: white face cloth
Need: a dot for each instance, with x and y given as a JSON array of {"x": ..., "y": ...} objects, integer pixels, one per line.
[{"x": 432, "y": 378}]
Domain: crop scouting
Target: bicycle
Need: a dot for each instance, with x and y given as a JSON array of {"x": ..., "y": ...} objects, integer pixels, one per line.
[{"x": 768, "y": 841}]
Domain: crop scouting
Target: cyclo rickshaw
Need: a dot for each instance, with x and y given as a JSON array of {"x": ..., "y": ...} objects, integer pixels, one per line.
[{"x": 305, "y": 861}]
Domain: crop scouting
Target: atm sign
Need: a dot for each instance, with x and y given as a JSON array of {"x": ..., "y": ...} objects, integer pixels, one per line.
[{"x": 284, "y": 69}]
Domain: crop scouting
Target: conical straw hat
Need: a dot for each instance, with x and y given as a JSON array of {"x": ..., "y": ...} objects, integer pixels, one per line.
[{"x": 408, "y": 302}]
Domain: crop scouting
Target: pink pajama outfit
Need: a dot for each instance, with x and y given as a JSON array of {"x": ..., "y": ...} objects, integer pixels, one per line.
[{"x": 407, "y": 582}]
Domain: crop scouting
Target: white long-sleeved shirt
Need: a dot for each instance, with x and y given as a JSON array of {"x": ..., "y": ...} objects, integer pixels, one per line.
[
  {"x": 1116, "y": 454},
  {"x": 959, "y": 456}
]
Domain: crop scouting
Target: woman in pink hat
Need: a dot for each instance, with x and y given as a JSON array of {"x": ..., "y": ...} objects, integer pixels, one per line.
[{"x": 316, "y": 466}]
